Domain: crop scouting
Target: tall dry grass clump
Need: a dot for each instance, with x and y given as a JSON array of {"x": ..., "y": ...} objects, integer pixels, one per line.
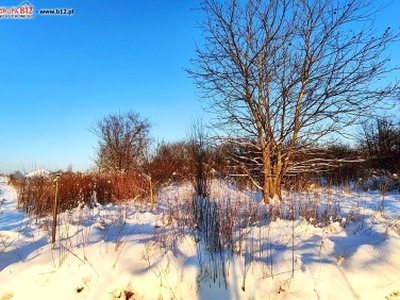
[{"x": 36, "y": 194}]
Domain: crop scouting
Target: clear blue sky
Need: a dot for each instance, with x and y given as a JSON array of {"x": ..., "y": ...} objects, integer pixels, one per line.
[{"x": 59, "y": 75}]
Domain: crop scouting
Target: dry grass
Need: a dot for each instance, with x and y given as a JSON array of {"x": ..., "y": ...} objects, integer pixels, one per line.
[{"x": 36, "y": 194}]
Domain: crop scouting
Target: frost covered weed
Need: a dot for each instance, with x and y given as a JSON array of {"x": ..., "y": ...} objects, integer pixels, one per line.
[
  {"x": 395, "y": 226},
  {"x": 383, "y": 188},
  {"x": 175, "y": 218},
  {"x": 318, "y": 207},
  {"x": 222, "y": 224},
  {"x": 80, "y": 227},
  {"x": 384, "y": 185}
]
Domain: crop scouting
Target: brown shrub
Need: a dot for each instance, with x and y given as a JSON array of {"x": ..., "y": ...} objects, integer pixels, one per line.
[{"x": 36, "y": 194}]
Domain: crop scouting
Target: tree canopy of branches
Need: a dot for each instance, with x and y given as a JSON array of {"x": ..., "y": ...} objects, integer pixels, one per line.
[
  {"x": 381, "y": 140},
  {"x": 123, "y": 142},
  {"x": 282, "y": 74}
]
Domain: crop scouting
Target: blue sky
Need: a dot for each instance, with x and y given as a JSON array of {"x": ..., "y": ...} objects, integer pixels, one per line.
[{"x": 59, "y": 75}]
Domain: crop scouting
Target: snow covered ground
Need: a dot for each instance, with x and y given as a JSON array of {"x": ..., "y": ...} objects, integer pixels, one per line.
[{"x": 115, "y": 252}]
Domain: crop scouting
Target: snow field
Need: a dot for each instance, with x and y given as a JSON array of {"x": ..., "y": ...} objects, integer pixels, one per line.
[{"x": 122, "y": 251}]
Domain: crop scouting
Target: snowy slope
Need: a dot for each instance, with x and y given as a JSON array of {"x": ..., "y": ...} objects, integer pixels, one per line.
[{"x": 114, "y": 252}]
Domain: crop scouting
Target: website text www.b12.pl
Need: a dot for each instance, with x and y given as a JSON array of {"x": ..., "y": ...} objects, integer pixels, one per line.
[{"x": 57, "y": 11}]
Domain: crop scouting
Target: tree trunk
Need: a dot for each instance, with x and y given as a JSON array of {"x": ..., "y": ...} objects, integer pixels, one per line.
[
  {"x": 272, "y": 188},
  {"x": 272, "y": 176}
]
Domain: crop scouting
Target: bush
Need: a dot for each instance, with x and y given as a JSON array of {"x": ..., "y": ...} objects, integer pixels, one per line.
[{"x": 36, "y": 194}]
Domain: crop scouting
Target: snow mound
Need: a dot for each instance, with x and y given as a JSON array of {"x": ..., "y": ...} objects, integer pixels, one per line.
[{"x": 39, "y": 173}]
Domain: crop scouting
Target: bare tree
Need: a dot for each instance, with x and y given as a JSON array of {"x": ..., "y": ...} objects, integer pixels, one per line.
[
  {"x": 381, "y": 140},
  {"x": 123, "y": 141},
  {"x": 282, "y": 74}
]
